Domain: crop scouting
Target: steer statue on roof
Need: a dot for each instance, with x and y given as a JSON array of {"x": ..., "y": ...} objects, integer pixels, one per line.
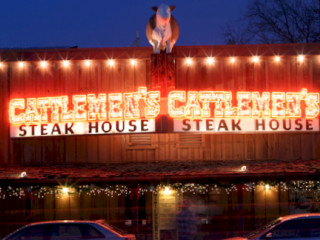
[{"x": 162, "y": 29}]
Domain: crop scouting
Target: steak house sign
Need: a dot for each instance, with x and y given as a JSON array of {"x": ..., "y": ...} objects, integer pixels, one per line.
[{"x": 190, "y": 111}]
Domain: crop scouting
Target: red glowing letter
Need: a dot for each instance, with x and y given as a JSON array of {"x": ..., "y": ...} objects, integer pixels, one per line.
[
  {"x": 312, "y": 102},
  {"x": 175, "y": 96},
  {"x": 115, "y": 110},
  {"x": 16, "y": 103},
  {"x": 218, "y": 98},
  {"x": 205, "y": 97},
  {"x": 31, "y": 114},
  {"x": 244, "y": 99},
  {"x": 193, "y": 109},
  {"x": 293, "y": 104},
  {"x": 66, "y": 115},
  {"x": 79, "y": 112},
  {"x": 56, "y": 103},
  {"x": 131, "y": 106},
  {"x": 97, "y": 107},
  {"x": 152, "y": 100},
  {"x": 260, "y": 105},
  {"x": 229, "y": 111},
  {"x": 278, "y": 100},
  {"x": 43, "y": 104}
]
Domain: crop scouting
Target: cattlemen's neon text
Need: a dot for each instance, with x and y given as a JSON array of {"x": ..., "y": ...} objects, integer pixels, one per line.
[
  {"x": 112, "y": 106},
  {"x": 219, "y": 104}
]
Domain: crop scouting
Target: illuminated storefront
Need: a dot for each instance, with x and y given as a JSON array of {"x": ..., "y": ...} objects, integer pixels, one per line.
[{"x": 126, "y": 135}]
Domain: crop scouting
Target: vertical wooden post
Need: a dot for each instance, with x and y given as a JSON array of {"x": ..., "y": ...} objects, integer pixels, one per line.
[
  {"x": 163, "y": 72},
  {"x": 135, "y": 208},
  {"x": 279, "y": 200},
  {"x": 163, "y": 80},
  {"x": 252, "y": 211},
  {"x": 230, "y": 212},
  {"x": 240, "y": 215}
]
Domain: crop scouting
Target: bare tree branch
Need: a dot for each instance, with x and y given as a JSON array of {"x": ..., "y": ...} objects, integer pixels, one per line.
[{"x": 277, "y": 21}]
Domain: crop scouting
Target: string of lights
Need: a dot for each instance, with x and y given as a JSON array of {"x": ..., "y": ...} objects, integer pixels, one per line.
[
  {"x": 180, "y": 188},
  {"x": 44, "y": 64},
  {"x": 188, "y": 61}
]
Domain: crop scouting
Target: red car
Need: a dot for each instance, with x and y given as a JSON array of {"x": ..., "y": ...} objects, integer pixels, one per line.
[
  {"x": 67, "y": 230},
  {"x": 298, "y": 227}
]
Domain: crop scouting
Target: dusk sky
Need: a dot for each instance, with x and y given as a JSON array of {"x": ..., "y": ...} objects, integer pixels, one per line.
[{"x": 105, "y": 23}]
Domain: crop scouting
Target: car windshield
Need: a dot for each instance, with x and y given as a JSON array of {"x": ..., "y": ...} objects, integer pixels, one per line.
[
  {"x": 118, "y": 230},
  {"x": 262, "y": 228}
]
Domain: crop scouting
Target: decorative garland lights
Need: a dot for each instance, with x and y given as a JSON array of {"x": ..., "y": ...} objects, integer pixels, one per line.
[
  {"x": 44, "y": 64},
  {"x": 180, "y": 188}
]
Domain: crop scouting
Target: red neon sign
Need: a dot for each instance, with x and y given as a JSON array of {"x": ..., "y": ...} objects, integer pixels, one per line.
[
  {"x": 181, "y": 104},
  {"x": 199, "y": 104},
  {"x": 112, "y": 106}
]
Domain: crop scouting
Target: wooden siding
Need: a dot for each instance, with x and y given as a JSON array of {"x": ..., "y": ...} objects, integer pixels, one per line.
[{"x": 267, "y": 75}]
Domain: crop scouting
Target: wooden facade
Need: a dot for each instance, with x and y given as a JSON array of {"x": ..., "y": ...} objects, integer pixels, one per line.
[
  {"x": 253, "y": 206},
  {"x": 243, "y": 75}
]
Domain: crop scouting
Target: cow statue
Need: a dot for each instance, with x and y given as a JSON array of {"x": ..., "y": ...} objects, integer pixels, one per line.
[{"x": 162, "y": 29}]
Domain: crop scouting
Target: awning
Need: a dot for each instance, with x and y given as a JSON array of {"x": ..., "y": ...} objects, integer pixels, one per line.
[{"x": 160, "y": 171}]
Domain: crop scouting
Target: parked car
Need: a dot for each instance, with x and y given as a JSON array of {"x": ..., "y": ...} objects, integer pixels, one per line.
[
  {"x": 298, "y": 227},
  {"x": 67, "y": 230}
]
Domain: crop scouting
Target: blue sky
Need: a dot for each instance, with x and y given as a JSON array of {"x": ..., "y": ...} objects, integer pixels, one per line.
[{"x": 105, "y": 23}]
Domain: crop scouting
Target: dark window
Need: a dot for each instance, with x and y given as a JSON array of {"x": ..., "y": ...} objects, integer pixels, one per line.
[
  {"x": 142, "y": 207},
  {"x": 65, "y": 231},
  {"x": 128, "y": 205},
  {"x": 31, "y": 233},
  {"x": 289, "y": 229},
  {"x": 74, "y": 231},
  {"x": 89, "y": 232},
  {"x": 298, "y": 228},
  {"x": 314, "y": 227}
]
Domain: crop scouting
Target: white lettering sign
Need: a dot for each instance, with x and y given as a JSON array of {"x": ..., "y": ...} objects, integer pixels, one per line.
[
  {"x": 262, "y": 125},
  {"x": 82, "y": 128}
]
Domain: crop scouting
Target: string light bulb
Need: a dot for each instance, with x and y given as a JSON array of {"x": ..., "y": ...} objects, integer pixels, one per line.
[
  {"x": 267, "y": 186},
  {"x": 111, "y": 62},
  {"x": 1, "y": 65},
  {"x": 66, "y": 63},
  {"x": 277, "y": 58},
  {"x": 65, "y": 190},
  {"x": 23, "y": 174},
  {"x": 300, "y": 58},
  {"x": 43, "y": 64},
  {"x": 188, "y": 61},
  {"x": 133, "y": 62},
  {"x": 232, "y": 59},
  {"x": 255, "y": 59},
  {"x": 21, "y": 64},
  {"x": 167, "y": 190},
  {"x": 87, "y": 63},
  {"x": 210, "y": 60}
]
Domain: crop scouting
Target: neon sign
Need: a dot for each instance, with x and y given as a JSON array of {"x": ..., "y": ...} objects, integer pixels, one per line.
[
  {"x": 85, "y": 114},
  {"x": 199, "y": 104},
  {"x": 121, "y": 106},
  {"x": 213, "y": 111},
  {"x": 191, "y": 111}
]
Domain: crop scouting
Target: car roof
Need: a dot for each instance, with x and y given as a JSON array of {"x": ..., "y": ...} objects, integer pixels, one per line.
[
  {"x": 62, "y": 221},
  {"x": 101, "y": 222},
  {"x": 300, "y": 215}
]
